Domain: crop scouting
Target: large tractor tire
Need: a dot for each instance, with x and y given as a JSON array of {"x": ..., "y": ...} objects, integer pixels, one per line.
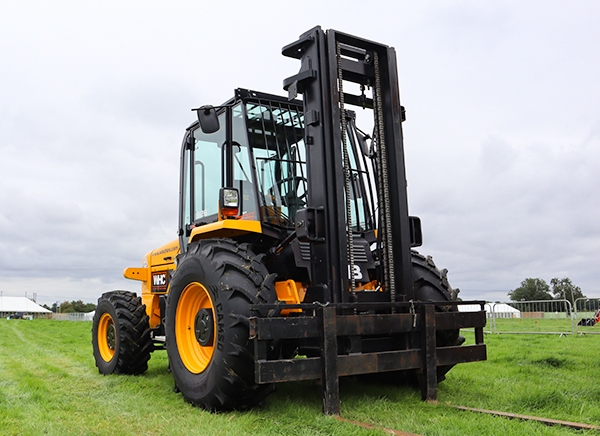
[
  {"x": 207, "y": 329},
  {"x": 121, "y": 334},
  {"x": 431, "y": 284}
]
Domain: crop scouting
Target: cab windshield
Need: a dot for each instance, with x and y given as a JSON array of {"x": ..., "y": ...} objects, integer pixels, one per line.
[
  {"x": 267, "y": 164},
  {"x": 276, "y": 134}
]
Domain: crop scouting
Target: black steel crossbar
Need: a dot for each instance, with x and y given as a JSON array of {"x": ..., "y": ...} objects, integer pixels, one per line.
[
  {"x": 308, "y": 326},
  {"x": 460, "y": 320},
  {"x": 309, "y": 368},
  {"x": 462, "y": 354},
  {"x": 367, "y": 306}
]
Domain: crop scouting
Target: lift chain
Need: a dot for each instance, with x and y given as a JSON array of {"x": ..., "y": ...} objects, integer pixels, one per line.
[
  {"x": 385, "y": 211},
  {"x": 346, "y": 173},
  {"x": 381, "y": 240}
]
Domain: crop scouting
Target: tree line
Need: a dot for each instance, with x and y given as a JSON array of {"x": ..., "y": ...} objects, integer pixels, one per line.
[
  {"x": 538, "y": 289},
  {"x": 71, "y": 307}
]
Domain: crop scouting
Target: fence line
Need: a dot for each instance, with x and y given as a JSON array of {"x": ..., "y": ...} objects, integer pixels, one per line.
[
  {"x": 27, "y": 315},
  {"x": 586, "y": 316},
  {"x": 76, "y": 316},
  {"x": 534, "y": 317},
  {"x": 531, "y": 317}
]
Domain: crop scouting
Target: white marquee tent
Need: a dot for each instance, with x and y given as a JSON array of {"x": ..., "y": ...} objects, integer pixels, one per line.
[
  {"x": 10, "y": 305},
  {"x": 500, "y": 310}
]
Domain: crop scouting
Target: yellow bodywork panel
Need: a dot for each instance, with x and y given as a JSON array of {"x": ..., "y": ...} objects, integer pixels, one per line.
[
  {"x": 157, "y": 285},
  {"x": 155, "y": 273},
  {"x": 136, "y": 274},
  {"x": 225, "y": 229},
  {"x": 165, "y": 255},
  {"x": 159, "y": 265},
  {"x": 291, "y": 292},
  {"x": 371, "y": 286}
]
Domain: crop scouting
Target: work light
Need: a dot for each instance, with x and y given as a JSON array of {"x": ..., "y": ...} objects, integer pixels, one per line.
[{"x": 229, "y": 202}]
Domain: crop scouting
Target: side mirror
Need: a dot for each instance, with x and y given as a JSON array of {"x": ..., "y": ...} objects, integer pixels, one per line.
[{"x": 207, "y": 117}]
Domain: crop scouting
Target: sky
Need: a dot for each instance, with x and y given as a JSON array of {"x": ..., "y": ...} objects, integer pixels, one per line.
[{"x": 502, "y": 137}]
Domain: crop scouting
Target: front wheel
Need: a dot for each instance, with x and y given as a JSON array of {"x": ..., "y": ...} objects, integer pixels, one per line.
[
  {"x": 210, "y": 353},
  {"x": 121, "y": 334}
]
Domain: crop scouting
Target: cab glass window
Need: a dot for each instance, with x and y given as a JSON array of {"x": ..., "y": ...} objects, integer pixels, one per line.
[
  {"x": 207, "y": 167},
  {"x": 276, "y": 134}
]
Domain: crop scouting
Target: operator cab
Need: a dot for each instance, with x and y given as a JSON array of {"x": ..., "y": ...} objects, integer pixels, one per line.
[{"x": 255, "y": 144}]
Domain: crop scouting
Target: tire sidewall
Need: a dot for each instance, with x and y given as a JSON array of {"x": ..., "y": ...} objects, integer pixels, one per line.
[
  {"x": 431, "y": 284},
  {"x": 197, "y": 387},
  {"x": 104, "y": 306}
]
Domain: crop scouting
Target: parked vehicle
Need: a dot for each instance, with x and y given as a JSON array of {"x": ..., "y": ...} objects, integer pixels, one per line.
[{"x": 294, "y": 240}]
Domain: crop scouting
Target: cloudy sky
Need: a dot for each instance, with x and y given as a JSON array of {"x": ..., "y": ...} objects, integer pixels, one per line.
[{"x": 502, "y": 137}]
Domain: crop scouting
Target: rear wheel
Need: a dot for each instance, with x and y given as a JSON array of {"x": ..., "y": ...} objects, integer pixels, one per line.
[
  {"x": 210, "y": 353},
  {"x": 121, "y": 334},
  {"x": 431, "y": 284}
]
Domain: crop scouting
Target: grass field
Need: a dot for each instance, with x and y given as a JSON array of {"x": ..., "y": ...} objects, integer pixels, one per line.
[
  {"x": 49, "y": 385},
  {"x": 525, "y": 325}
]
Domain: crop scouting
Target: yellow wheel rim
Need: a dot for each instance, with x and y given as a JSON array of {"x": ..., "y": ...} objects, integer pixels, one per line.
[
  {"x": 107, "y": 338},
  {"x": 195, "y": 357}
]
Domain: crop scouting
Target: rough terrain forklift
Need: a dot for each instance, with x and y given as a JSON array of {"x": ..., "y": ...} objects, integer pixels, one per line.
[{"x": 294, "y": 259}]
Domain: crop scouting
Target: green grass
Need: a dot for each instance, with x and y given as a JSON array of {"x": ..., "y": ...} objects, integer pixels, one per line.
[
  {"x": 49, "y": 385},
  {"x": 549, "y": 324}
]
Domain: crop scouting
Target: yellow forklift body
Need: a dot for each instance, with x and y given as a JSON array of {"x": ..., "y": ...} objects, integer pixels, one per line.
[
  {"x": 159, "y": 265},
  {"x": 225, "y": 229}
]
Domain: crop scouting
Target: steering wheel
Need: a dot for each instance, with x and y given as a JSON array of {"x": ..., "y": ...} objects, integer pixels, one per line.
[{"x": 292, "y": 193}]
